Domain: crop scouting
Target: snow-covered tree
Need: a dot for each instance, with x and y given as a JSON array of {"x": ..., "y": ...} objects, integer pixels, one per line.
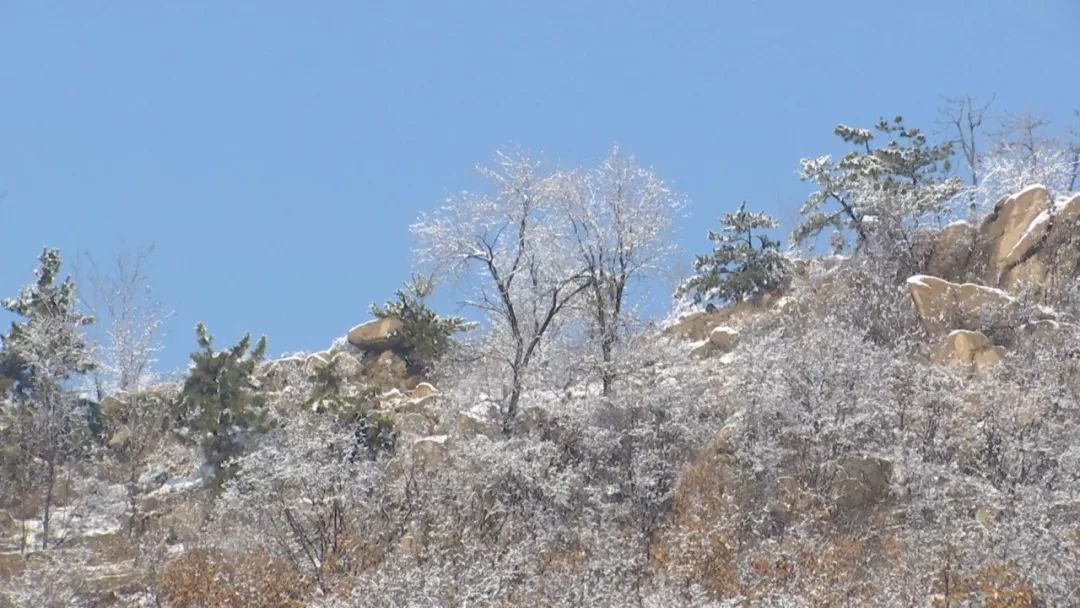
[
  {"x": 1024, "y": 154},
  {"x": 514, "y": 242},
  {"x": 42, "y": 354},
  {"x": 551, "y": 247},
  {"x": 130, "y": 320},
  {"x": 877, "y": 190},
  {"x": 131, "y": 317},
  {"x": 738, "y": 269},
  {"x": 618, "y": 215}
]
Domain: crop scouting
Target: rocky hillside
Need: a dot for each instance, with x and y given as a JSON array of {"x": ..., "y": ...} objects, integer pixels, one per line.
[{"x": 853, "y": 439}]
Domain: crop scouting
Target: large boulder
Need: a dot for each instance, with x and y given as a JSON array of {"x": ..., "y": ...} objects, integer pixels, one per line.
[
  {"x": 1056, "y": 263},
  {"x": 424, "y": 390},
  {"x": 414, "y": 423},
  {"x": 431, "y": 452},
  {"x": 943, "y": 306},
  {"x": 386, "y": 370},
  {"x": 276, "y": 375},
  {"x": 970, "y": 349},
  {"x": 1069, "y": 211},
  {"x": 1011, "y": 234},
  {"x": 696, "y": 325},
  {"x": 862, "y": 481},
  {"x": 377, "y": 335},
  {"x": 315, "y": 361},
  {"x": 722, "y": 339}
]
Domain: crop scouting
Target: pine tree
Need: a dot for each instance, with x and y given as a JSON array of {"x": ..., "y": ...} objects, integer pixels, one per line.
[
  {"x": 737, "y": 269},
  {"x": 219, "y": 405},
  {"x": 877, "y": 190},
  {"x": 47, "y": 421},
  {"x": 374, "y": 432},
  {"x": 427, "y": 336}
]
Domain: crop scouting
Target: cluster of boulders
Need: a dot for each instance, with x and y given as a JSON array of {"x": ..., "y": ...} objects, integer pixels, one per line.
[
  {"x": 1028, "y": 243},
  {"x": 376, "y": 359},
  {"x": 714, "y": 331},
  {"x": 966, "y": 298}
]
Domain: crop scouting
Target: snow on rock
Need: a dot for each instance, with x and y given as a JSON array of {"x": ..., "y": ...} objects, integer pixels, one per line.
[
  {"x": 176, "y": 485},
  {"x": 724, "y": 338},
  {"x": 1069, "y": 208},
  {"x": 1010, "y": 233},
  {"x": 431, "y": 452},
  {"x": 424, "y": 389},
  {"x": 1035, "y": 231},
  {"x": 943, "y": 306},
  {"x": 721, "y": 340},
  {"x": 476, "y": 421}
]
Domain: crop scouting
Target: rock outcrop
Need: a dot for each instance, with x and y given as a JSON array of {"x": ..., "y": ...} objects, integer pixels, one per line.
[
  {"x": 943, "y": 306},
  {"x": 862, "y": 481},
  {"x": 344, "y": 363},
  {"x": 697, "y": 326},
  {"x": 970, "y": 349},
  {"x": 722, "y": 339},
  {"x": 377, "y": 335},
  {"x": 1029, "y": 242},
  {"x": 431, "y": 452},
  {"x": 1012, "y": 232}
]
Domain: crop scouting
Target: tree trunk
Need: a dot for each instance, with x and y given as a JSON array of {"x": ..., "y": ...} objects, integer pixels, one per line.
[
  {"x": 512, "y": 405},
  {"x": 607, "y": 377},
  {"x": 50, "y": 481}
]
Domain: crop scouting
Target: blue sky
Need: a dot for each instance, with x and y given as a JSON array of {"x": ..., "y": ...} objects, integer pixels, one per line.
[{"x": 275, "y": 153}]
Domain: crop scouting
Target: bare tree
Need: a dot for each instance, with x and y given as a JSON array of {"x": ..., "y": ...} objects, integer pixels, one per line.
[
  {"x": 966, "y": 116},
  {"x": 131, "y": 317},
  {"x": 618, "y": 216},
  {"x": 511, "y": 240},
  {"x": 1022, "y": 134},
  {"x": 1024, "y": 154}
]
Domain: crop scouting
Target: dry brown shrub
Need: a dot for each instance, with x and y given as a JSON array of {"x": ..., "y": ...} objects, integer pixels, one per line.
[
  {"x": 207, "y": 578},
  {"x": 994, "y": 586},
  {"x": 824, "y": 572},
  {"x": 695, "y": 548}
]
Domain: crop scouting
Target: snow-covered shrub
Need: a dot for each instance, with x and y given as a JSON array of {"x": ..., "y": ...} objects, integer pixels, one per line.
[{"x": 306, "y": 497}]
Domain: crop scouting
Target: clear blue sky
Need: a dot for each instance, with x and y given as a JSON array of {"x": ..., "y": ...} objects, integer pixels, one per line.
[{"x": 276, "y": 153}]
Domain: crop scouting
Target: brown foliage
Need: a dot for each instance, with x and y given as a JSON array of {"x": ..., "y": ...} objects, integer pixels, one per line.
[
  {"x": 994, "y": 586},
  {"x": 206, "y": 578}
]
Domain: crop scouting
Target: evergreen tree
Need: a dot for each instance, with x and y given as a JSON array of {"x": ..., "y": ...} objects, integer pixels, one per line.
[
  {"x": 737, "y": 269},
  {"x": 877, "y": 190},
  {"x": 47, "y": 422},
  {"x": 427, "y": 336},
  {"x": 219, "y": 405},
  {"x": 374, "y": 432}
]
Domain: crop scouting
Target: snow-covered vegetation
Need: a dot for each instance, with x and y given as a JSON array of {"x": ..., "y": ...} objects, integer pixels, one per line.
[{"x": 893, "y": 423}]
